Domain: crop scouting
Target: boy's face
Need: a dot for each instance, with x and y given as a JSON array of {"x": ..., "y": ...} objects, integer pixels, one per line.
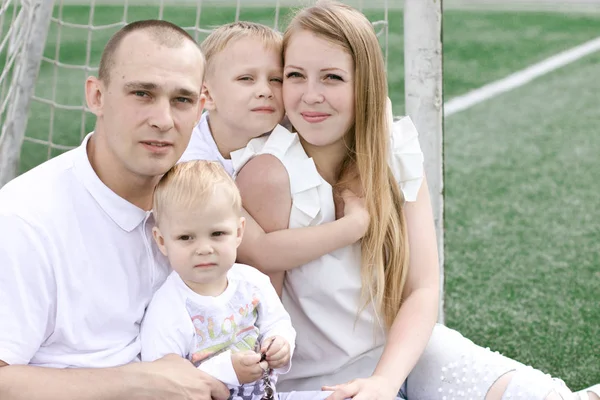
[
  {"x": 201, "y": 243},
  {"x": 243, "y": 88}
]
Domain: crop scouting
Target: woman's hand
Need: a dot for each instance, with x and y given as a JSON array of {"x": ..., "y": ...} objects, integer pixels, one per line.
[{"x": 372, "y": 388}]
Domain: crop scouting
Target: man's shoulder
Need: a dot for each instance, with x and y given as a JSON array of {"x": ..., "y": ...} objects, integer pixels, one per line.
[
  {"x": 40, "y": 191},
  {"x": 168, "y": 293}
]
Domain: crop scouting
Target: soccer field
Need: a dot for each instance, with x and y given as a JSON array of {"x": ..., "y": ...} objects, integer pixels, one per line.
[{"x": 521, "y": 218}]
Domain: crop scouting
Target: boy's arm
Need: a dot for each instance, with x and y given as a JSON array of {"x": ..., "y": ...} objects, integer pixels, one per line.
[{"x": 268, "y": 244}]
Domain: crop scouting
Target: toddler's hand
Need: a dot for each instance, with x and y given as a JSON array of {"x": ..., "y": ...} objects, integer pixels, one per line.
[
  {"x": 247, "y": 366},
  {"x": 277, "y": 351}
]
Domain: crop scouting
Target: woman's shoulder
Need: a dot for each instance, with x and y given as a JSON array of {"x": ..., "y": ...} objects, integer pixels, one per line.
[
  {"x": 406, "y": 157},
  {"x": 278, "y": 143}
]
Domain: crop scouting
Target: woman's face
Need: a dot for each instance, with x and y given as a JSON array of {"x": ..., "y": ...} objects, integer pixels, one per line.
[{"x": 318, "y": 88}]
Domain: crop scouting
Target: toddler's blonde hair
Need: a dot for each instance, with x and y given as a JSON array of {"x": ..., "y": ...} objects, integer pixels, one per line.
[{"x": 189, "y": 185}]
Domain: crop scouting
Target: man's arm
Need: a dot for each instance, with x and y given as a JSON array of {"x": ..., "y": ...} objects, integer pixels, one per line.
[{"x": 170, "y": 378}]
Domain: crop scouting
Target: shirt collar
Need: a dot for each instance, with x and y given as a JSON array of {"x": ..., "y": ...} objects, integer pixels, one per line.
[{"x": 125, "y": 214}]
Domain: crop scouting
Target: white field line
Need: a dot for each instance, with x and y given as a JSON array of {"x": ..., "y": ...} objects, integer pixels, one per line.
[{"x": 520, "y": 78}]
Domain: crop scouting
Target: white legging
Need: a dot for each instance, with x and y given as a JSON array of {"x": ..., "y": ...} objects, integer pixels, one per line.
[{"x": 453, "y": 367}]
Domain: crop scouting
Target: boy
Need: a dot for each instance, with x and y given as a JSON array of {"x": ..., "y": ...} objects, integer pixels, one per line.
[
  {"x": 242, "y": 88},
  {"x": 211, "y": 310}
]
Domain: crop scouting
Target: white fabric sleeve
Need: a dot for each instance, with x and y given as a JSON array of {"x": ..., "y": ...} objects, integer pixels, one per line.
[
  {"x": 221, "y": 368},
  {"x": 27, "y": 290},
  {"x": 197, "y": 148},
  {"x": 166, "y": 328},
  {"x": 273, "y": 319},
  {"x": 405, "y": 156}
]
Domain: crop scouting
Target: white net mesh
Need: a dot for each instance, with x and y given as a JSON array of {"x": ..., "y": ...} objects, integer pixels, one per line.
[{"x": 58, "y": 119}]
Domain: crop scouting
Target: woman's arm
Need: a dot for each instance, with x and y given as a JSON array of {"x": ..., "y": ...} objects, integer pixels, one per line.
[
  {"x": 412, "y": 327},
  {"x": 268, "y": 245},
  {"x": 411, "y": 330}
]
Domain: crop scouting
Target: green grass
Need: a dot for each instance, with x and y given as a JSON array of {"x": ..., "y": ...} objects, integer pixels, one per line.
[
  {"x": 522, "y": 238},
  {"x": 522, "y": 233}
]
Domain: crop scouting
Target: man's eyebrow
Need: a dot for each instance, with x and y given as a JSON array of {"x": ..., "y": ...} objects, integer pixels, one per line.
[
  {"x": 140, "y": 85},
  {"x": 187, "y": 93}
]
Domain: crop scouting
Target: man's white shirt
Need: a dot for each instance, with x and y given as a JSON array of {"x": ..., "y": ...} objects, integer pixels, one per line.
[{"x": 78, "y": 267}]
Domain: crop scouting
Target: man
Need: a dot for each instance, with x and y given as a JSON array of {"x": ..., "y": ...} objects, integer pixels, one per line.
[{"x": 77, "y": 261}]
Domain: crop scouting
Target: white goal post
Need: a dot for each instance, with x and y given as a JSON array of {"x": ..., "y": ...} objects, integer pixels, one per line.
[{"x": 24, "y": 26}]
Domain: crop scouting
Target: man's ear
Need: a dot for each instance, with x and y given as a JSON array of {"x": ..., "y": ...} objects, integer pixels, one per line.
[
  {"x": 209, "y": 104},
  {"x": 159, "y": 239},
  {"x": 240, "y": 231},
  {"x": 94, "y": 95},
  {"x": 201, "y": 103}
]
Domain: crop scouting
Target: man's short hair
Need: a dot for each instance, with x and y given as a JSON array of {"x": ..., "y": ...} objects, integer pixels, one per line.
[
  {"x": 163, "y": 32},
  {"x": 221, "y": 37},
  {"x": 189, "y": 185}
]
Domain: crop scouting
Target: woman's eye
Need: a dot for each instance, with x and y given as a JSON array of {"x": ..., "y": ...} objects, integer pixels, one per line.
[{"x": 293, "y": 75}]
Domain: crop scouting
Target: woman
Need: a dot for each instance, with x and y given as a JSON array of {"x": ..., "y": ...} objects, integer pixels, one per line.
[{"x": 365, "y": 314}]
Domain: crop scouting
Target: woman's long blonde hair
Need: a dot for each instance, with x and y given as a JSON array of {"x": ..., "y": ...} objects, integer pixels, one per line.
[{"x": 385, "y": 245}]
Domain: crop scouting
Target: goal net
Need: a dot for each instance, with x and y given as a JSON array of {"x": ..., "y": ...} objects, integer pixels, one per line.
[
  {"x": 49, "y": 47},
  {"x": 44, "y": 114}
]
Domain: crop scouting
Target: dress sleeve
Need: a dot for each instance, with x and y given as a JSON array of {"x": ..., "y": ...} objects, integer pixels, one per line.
[{"x": 405, "y": 158}]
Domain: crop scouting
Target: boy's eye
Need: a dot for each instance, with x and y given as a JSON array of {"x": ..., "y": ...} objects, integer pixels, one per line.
[
  {"x": 183, "y": 100},
  {"x": 140, "y": 93},
  {"x": 278, "y": 80},
  {"x": 185, "y": 237},
  {"x": 219, "y": 233},
  {"x": 245, "y": 78},
  {"x": 294, "y": 74}
]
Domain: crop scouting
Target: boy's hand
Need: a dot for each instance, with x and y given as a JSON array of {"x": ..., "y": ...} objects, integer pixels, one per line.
[
  {"x": 355, "y": 207},
  {"x": 277, "y": 351},
  {"x": 247, "y": 366}
]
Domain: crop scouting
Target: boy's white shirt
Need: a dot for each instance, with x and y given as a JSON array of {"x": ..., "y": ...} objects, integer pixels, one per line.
[
  {"x": 202, "y": 146},
  {"x": 180, "y": 321}
]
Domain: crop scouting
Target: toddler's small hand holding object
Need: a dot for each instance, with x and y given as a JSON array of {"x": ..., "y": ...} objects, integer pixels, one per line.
[
  {"x": 248, "y": 366},
  {"x": 276, "y": 351}
]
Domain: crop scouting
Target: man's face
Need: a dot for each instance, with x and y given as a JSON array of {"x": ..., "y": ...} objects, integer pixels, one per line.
[{"x": 150, "y": 105}]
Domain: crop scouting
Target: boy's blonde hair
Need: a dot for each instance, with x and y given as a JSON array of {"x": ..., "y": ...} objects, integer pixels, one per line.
[
  {"x": 221, "y": 37},
  {"x": 384, "y": 247},
  {"x": 190, "y": 184}
]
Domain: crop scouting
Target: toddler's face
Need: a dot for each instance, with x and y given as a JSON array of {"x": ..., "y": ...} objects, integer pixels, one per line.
[
  {"x": 201, "y": 243},
  {"x": 244, "y": 88}
]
